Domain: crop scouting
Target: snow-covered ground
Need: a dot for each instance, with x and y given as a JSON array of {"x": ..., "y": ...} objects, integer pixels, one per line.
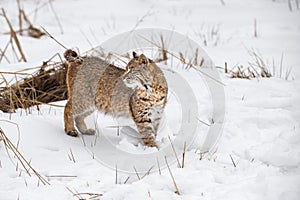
[{"x": 261, "y": 132}]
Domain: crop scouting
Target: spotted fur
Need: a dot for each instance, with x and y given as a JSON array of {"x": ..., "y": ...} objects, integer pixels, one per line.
[{"x": 139, "y": 92}]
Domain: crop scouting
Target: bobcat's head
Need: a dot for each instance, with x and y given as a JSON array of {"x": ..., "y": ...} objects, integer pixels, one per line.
[{"x": 139, "y": 73}]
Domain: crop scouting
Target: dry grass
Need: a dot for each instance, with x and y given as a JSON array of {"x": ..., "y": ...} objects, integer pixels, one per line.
[
  {"x": 173, "y": 148},
  {"x": 13, "y": 40},
  {"x": 84, "y": 195},
  {"x": 47, "y": 84},
  {"x": 208, "y": 35},
  {"x": 10, "y": 147},
  {"x": 183, "y": 155},
  {"x": 243, "y": 72},
  {"x": 232, "y": 160},
  {"x": 258, "y": 68},
  {"x": 171, "y": 174},
  {"x": 25, "y": 28}
]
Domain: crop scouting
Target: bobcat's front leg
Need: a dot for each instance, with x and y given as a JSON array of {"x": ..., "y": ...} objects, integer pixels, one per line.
[
  {"x": 69, "y": 120},
  {"x": 147, "y": 134},
  {"x": 141, "y": 115}
]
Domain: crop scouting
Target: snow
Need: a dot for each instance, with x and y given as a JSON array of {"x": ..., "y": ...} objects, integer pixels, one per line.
[{"x": 261, "y": 131}]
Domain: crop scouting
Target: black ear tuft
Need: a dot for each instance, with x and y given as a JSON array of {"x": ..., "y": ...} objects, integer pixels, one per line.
[{"x": 134, "y": 54}]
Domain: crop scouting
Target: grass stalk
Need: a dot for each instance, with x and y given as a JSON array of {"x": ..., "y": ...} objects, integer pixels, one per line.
[{"x": 174, "y": 182}]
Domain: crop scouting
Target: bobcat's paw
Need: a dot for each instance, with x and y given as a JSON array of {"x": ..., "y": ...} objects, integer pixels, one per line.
[
  {"x": 72, "y": 133},
  {"x": 89, "y": 132},
  {"x": 150, "y": 142},
  {"x": 153, "y": 145}
]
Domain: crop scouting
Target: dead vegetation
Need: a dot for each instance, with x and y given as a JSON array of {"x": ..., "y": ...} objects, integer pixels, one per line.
[
  {"x": 12, "y": 42},
  {"x": 27, "y": 167},
  {"x": 45, "y": 85},
  {"x": 30, "y": 87},
  {"x": 208, "y": 35},
  {"x": 255, "y": 69},
  {"x": 25, "y": 28},
  {"x": 260, "y": 68}
]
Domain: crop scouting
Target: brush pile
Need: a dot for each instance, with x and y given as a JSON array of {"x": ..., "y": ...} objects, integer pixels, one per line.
[{"x": 46, "y": 84}]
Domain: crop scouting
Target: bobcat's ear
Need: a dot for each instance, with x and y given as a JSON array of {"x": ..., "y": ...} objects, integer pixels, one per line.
[
  {"x": 70, "y": 54},
  {"x": 143, "y": 59},
  {"x": 151, "y": 68},
  {"x": 134, "y": 54}
]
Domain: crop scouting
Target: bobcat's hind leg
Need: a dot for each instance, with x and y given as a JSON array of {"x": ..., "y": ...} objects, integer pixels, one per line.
[
  {"x": 69, "y": 120},
  {"x": 80, "y": 124}
]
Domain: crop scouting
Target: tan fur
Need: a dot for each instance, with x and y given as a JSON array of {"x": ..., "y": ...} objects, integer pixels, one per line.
[{"x": 139, "y": 92}]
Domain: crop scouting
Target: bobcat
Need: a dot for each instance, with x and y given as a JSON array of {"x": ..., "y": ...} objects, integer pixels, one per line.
[{"x": 139, "y": 91}]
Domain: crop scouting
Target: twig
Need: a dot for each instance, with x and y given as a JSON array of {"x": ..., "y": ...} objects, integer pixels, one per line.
[
  {"x": 136, "y": 173},
  {"x": 92, "y": 195},
  {"x": 37, "y": 8},
  {"x": 141, "y": 19},
  {"x": 74, "y": 194},
  {"x": 54, "y": 38},
  {"x": 196, "y": 57},
  {"x": 213, "y": 154},
  {"x": 174, "y": 182},
  {"x": 255, "y": 28},
  {"x": 116, "y": 181},
  {"x": 226, "y": 69},
  {"x": 9, "y": 145},
  {"x": 56, "y": 17},
  {"x": 201, "y": 156},
  {"x": 20, "y": 17},
  {"x": 287, "y": 74},
  {"x": 174, "y": 151},
  {"x": 14, "y": 36},
  {"x": 281, "y": 61},
  {"x": 126, "y": 180},
  {"x": 203, "y": 122},
  {"x": 87, "y": 39},
  {"x": 149, "y": 194},
  {"x": 61, "y": 176},
  {"x": 158, "y": 166},
  {"x": 72, "y": 156},
  {"x": 148, "y": 172},
  {"x": 232, "y": 160},
  {"x": 2, "y": 53},
  {"x": 183, "y": 155}
]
